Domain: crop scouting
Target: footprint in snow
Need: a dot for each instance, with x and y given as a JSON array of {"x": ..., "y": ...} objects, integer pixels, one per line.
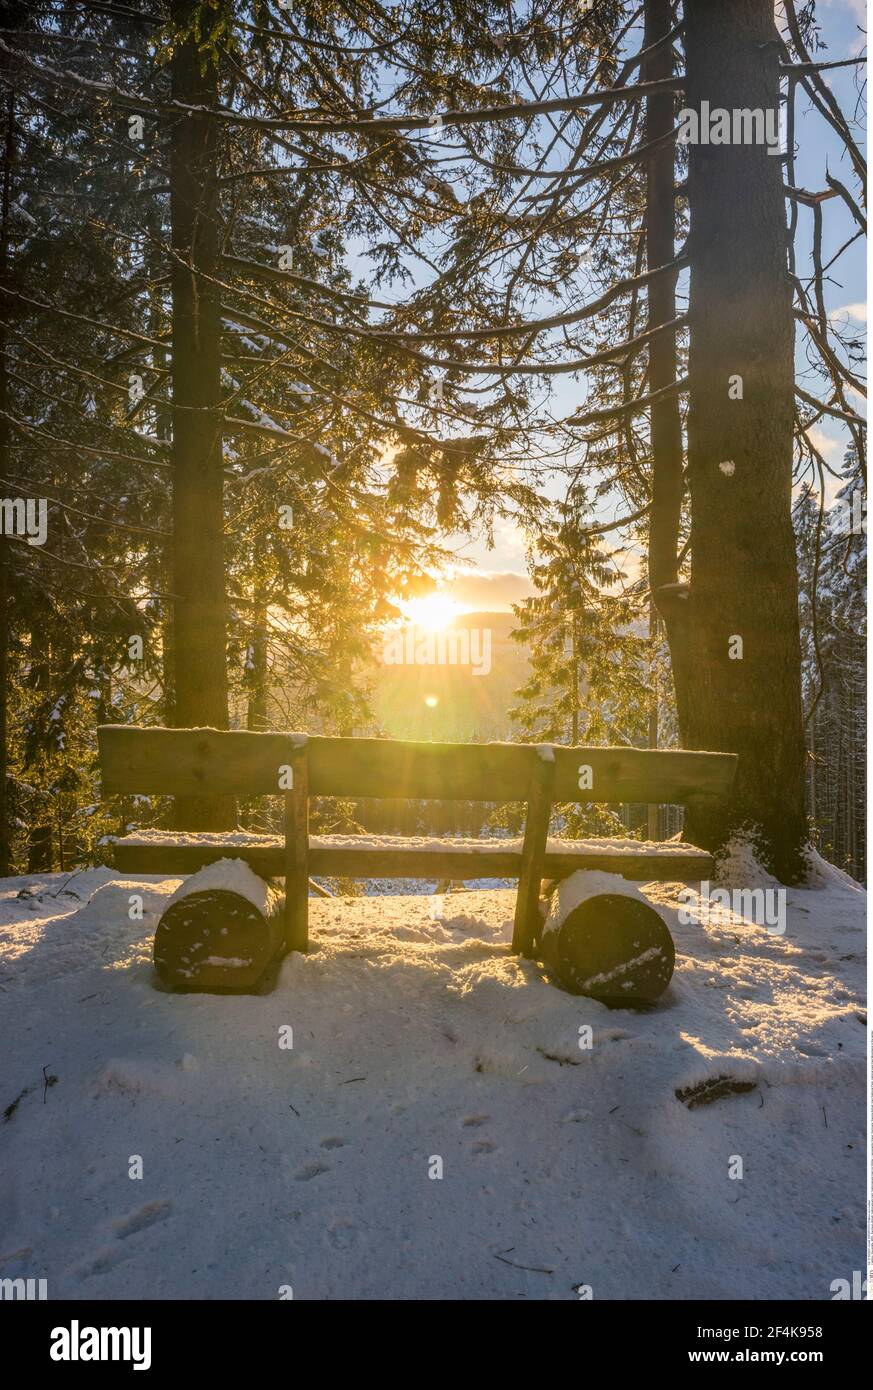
[
  {"x": 110, "y": 1255},
  {"x": 311, "y": 1170},
  {"x": 333, "y": 1141},
  {"x": 342, "y": 1234},
  {"x": 484, "y": 1146},
  {"x": 102, "y": 1261},
  {"x": 142, "y": 1218},
  {"x": 473, "y": 1121}
]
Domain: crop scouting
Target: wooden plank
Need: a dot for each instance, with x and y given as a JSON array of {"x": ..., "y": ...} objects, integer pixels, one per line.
[
  {"x": 642, "y": 868},
  {"x": 157, "y": 858},
  {"x": 502, "y": 771},
  {"x": 533, "y": 857},
  {"x": 326, "y": 861},
  {"x": 185, "y": 762},
  {"x": 412, "y": 863},
  {"x": 403, "y": 768},
  {"x": 461, "y": 865},
  {"x": 296, "y": 852},
  {"x": 364, "y": 862},
  {"x": 650, "y": 776}
]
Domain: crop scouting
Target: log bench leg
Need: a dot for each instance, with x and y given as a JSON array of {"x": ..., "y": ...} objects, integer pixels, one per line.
[
  {"x": 213, "y": 938},
  {"x": 297, "y": 855},
  {"x": 533, "y": 854}
]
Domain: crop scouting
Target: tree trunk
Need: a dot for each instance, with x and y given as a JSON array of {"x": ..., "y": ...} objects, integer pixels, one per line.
[
  {"x": 734, "y": 633},
  {"x": 5, "y": 836},
  {"x": 666, "y": 421},
  {"x": 257, "y": 674},
  {"x": 199, "y": 617},
  {"x": 162, "y": 362},
  {"x": 5, "y": 470},
  {"x": 574, "y": 725},
  {"x": 653, "y": 817},
  {"x": 40, "y": 850}
]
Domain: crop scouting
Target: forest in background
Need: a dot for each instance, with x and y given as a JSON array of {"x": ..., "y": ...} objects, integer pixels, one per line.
[{"x": 294, "y": 296}]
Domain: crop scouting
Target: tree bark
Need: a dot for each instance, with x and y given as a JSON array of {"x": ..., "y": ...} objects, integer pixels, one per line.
[
  {"x": 666, "y": 423},
  {"x": 653, "y": 816},
  {"x": 612, "y": 946},
  {"x": 574, "y": 724},
  {"x": 200, "y": 611},
  {"x": 163, "y": 426},
  {"x": 220, "y": 931},
  {"x": 5, "y": 834},
  {"x": 743, "y": 565},
  {"x": 257, "y": 717},
  {"x": 667, "y": 448},
  {"x": 40, "y": 850}
]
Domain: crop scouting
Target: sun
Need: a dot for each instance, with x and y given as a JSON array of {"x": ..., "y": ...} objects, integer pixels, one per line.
[{"x": 432, "y": 611}]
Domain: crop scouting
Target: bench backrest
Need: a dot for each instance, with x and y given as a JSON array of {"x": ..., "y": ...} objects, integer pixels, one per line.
[{"x": 210, "y": 762}]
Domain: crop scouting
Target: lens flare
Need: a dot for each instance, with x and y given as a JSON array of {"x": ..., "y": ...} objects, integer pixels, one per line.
[{"x": 431, "y": 612}]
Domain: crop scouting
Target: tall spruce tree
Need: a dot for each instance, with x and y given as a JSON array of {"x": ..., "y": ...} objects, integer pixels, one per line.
[
  {"x": 587, "y": 681},
  {"x": 832, "y": 562}
]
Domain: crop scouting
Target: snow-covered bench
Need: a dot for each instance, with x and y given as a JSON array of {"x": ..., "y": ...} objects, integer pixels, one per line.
[{"x": 209, "y": 762}]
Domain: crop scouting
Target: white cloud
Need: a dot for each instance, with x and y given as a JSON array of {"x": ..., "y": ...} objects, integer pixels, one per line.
[
  {"x": 491, "y": 591},
  {"x": 858, "y": 312},
  {"x": 831, "y": 450}
]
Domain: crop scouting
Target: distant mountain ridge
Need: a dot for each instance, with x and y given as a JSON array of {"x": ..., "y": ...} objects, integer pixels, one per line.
[{"x": 427, "y": 687}]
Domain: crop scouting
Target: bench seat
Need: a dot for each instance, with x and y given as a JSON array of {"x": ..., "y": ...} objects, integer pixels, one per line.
[
  {"x": 395, "y": 856},
  {"x": 216, "y": 763}
]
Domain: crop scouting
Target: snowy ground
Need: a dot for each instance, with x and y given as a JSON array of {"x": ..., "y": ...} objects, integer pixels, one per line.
[{"x": 417, "y": 1035}]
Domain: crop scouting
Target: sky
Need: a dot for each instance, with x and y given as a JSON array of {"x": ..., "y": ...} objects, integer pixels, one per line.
[{"x": 495, "y": 578}]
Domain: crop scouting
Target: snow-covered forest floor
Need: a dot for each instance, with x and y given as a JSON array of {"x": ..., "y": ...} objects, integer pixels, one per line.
[{"x": 417, "y": 1035}]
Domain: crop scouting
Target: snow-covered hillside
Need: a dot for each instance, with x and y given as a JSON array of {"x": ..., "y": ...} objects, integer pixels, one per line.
[{"x": 417, "y": 1036}]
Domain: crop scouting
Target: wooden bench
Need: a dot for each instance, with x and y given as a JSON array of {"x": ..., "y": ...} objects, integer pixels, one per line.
[{"x": 209, "y": 762}]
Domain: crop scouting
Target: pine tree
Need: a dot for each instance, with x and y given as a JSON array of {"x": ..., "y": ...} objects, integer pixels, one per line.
[
  {"x": 587, "y": 683},
  {"x": 832, "y": 553}
]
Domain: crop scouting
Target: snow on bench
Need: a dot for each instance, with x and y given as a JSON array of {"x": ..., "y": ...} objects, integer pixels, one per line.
[{"x": 212, "y": 763}]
